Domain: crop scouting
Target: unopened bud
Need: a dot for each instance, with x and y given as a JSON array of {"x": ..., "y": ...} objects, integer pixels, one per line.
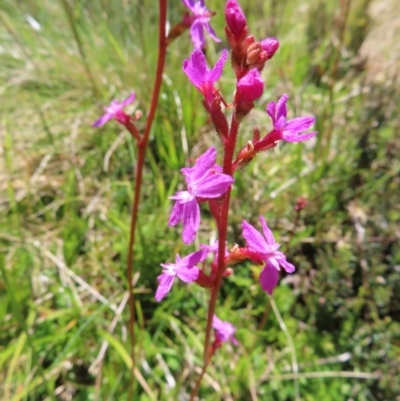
[
  {"x": 301, "y": 203},
  {"x": 235, "y": 18},
  {"x": 270, "y": 45},
  {"x": 251, "y": 86},
  {"x": 253, "y": 52}
]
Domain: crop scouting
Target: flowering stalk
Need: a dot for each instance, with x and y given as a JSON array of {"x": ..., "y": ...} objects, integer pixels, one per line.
[
  {"x": 142, "y": 144},
  {"x": 208, "y": 182},
  {"x": 115, "y": 111}
]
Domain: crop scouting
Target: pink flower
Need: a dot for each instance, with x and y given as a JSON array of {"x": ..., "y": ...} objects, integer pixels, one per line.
[
  {"x": 185, "y": 269},
  {"x": 235, "y": 18},
  {"x": 224, "y": 331},
  {"x": 199, "y": 21},
  {"x": 265, "y": 249},
  {"x": 288, "y": 130},
  {"x": 201, "y": 76},
  {"x": 251, "y": 86},
  {"x": 203, "y": 181},
  {"x": 115, "y": 110}
]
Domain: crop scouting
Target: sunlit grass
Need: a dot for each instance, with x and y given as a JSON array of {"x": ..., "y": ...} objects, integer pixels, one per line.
[{"x": 66, "y": 191}]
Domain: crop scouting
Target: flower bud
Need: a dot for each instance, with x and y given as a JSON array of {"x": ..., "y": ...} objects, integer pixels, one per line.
[
  {"x": 270, "y": 45},
  {"x": 251, "y": 86},
  {"x": 253, "y": 52},
  {"x": 235, "y": 18}
]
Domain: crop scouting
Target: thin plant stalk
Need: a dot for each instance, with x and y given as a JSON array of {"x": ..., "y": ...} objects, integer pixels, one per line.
[
  {"x": 222, "y": 237},
  {"x": 142, "y": 145}
]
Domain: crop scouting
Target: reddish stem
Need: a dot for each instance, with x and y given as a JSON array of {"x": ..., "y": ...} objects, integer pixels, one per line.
[
  {"x": 222, "y": 234},
  {"x": 142, "y": 144}
]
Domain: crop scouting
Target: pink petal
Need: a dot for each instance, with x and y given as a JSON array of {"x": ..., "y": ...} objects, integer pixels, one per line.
[
  {"x": 269, "y": 278},
  {"x": 190, "y": 221},
  {"x": 214, "y": 186},
  {"x": 281, "y": 109},
  {"x": 197, "y": 34},
  {"x": 212, "y": 32},
  {"x": 130, "y": 99},
  {"x": 267, "y": 232},
  {"x": 299, "y": 124},
  {"x": 216, "y": 72},
  {"x": 102, "y": 120},
  {"x": 191, "y": 260},
  {"x": 176, "y": 214},
  {"x": 188, "y": 275},
  {"x": 271, "y": 109},
  {"x": 289, "y": 268},
  {"x": 254, "y": 239},
  {"x": 182, "y": 196},
  {"x": 164, "y": 286},
  {"x": 203, "y": 164},
  {"x": 298, "y": 138},
  {"x": 196, "y": 68}
]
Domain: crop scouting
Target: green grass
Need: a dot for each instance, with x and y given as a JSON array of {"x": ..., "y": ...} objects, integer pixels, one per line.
[{"x": 66, "y": 192}]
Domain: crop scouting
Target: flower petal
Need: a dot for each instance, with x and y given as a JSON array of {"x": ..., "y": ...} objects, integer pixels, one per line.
[
  {"x": 102, "y": 120},
  {"x": 271, "y": 109},
  {"x": 197, "y": 34},
  {"x": 191, "y": 260},
  {"x": 289, "y": 268},
  {"x": 201, "y": 168},
  {"x": 196, "y": 68},
  {"x": 190, "y": 221},
  {"x": 188, "y": 275},
  {"x": 299, "y": 124},
  {"x": 224, "y": 330},
  {"x": 269, "y": 278},
  {"x": 281, "y": 109},
  {"x": 298, "y": 138},
  {"x": 267, "y": 232},
  {"x": 216, "y": 71},
  {"x": 164, "y": 286},
  {"x": 254, "y": 239},
  {"x": 214, "y": 186},
  {"x": 212, "y": 32},
  {"x": 176, "y": 214},
  {"x": 130, "y": 99}
]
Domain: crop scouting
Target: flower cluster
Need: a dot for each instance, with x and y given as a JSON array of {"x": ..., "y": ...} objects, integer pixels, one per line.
[{"x": 209, "y": 183}]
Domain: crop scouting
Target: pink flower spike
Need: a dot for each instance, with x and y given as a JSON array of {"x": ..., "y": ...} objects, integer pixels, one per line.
[
  {"x": 251, "y": 86},
  {"x": 235, "y": 18},
  {"x": 115, "y": 110},
  {"x": 184, "y": 269},
  {"x": 264, "y": 248},
  {"x": 270, "y": 46},
  {"x": 224, "y": 331},
  {"x": 201, "y": 76},
  {"x": 199, "y": 21},
  {"x": 289, "y": 130},
  {"x": 203, "y": 181}
]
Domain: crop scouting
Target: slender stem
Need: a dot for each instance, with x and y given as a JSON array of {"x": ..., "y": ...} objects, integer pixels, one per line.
[
  {"x": 199, "y": 379},
  {"x": 142, "y": 144},
  {"x": 222, "y": 235}
]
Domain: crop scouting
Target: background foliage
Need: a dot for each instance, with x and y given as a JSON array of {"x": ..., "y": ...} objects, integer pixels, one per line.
[{"x": 332, "y": 329}]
